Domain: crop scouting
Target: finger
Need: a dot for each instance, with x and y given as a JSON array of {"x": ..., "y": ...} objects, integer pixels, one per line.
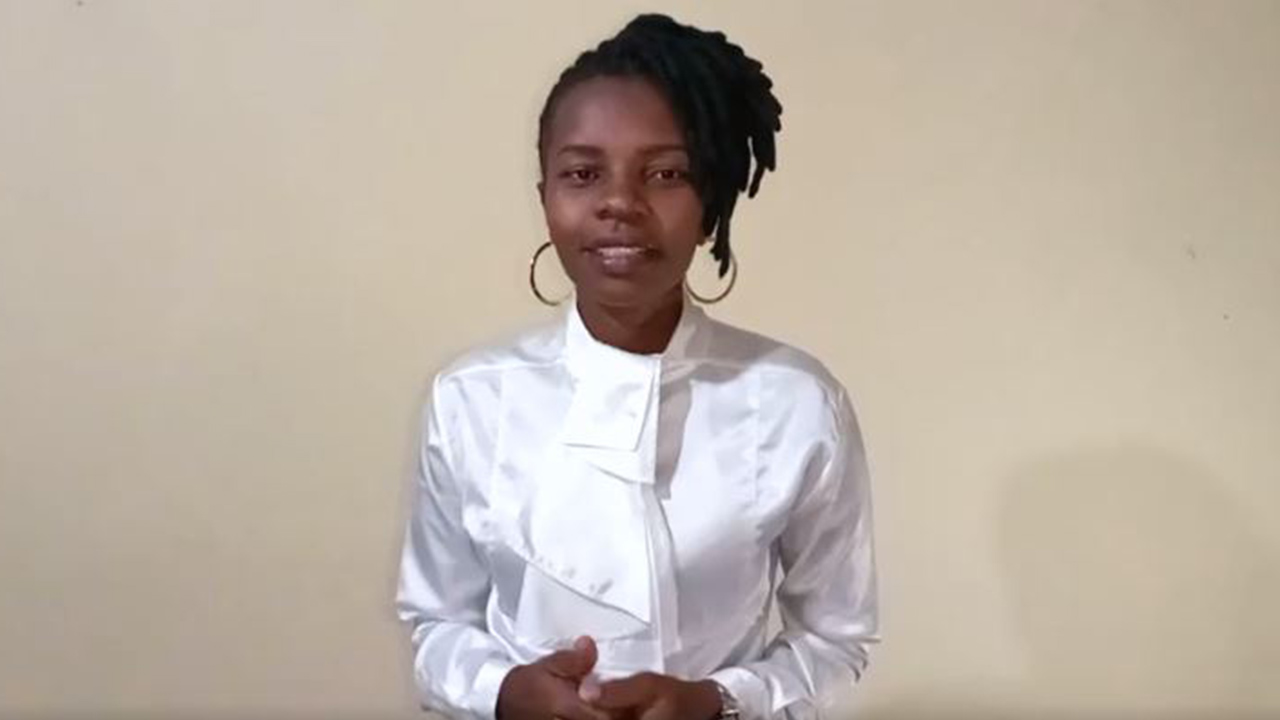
[
  {"x": 586, "y": 645},
  {"x": 569, "y": 707},
  {"x": 572, "y": 664},
  {"x": 635, "y": 691},
  {"x": 564, "y": 664},
  {"x": 589, "y": 690},
  {"x": 663, "y": 709}
]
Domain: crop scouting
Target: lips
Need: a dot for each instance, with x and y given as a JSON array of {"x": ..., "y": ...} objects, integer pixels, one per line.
[
  {"x": 617, "y": 241},
  {"x": 620, "y": 257}
]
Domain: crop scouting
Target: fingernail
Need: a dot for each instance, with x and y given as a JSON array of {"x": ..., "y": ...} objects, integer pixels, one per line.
[{"x": 582, "y": 643}]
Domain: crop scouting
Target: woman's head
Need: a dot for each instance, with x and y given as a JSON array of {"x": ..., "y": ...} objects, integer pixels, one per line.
[{"x": 644, "y": 144}]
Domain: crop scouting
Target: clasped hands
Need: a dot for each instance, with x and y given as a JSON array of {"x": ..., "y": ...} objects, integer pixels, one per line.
[{"x": 559, "y": 687}]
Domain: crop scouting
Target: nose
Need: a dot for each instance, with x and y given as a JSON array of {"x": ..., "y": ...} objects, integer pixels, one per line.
[{"x": 621, "y": 201}]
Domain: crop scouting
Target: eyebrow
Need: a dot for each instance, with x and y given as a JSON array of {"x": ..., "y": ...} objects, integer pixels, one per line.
[{"x": 595, "y": 151}]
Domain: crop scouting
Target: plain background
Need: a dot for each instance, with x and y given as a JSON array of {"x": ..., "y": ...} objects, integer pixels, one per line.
[{"x": 1039, "y": 241}]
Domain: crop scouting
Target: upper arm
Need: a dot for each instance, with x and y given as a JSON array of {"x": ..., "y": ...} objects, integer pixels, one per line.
[
  {"x": 826, "y": 548},
  {"x": 442, "y": 575}
]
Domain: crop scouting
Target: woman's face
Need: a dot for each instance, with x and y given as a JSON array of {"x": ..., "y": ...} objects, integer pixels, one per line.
[{"x": 619, "y": 201}]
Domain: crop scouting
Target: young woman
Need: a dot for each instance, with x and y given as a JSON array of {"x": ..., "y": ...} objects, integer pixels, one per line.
[{"x": 608, "y": 507}]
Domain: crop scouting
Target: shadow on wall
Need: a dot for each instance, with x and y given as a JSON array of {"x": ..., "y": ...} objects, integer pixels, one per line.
[{"x": 1139, "y": 590}]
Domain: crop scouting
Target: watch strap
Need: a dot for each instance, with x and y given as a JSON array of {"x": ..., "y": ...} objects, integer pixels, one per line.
[{"x": 729, "y": 707}]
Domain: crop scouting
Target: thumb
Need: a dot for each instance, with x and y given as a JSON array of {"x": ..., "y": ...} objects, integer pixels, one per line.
[{"x": 576, "y": 663}]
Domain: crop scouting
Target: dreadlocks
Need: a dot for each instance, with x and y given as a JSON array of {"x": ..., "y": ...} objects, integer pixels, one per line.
[{"x": 721, "y": 97}]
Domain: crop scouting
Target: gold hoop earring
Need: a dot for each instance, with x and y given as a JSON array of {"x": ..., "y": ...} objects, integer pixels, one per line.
[
  {"x": 733, "y": 279},
  {"x": 533, "y": 279}
]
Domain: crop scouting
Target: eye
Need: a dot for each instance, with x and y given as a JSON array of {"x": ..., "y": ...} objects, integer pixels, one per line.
[
  {"x": 580, "y": 175},
  {"x": 669, "y": 175}
]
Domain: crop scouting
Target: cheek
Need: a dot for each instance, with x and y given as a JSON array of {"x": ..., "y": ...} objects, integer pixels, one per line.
[
  {"x": 564, "y": 219},
  {"x": 563, "y": 216},
  {"x": 682, "y": 218},
  {"x": 686, "y": 209}
]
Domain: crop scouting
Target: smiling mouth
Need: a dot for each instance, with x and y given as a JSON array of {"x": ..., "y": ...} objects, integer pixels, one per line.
[
  {"x": 620, "y": 259},
  {"x": 619, "y": 252}
]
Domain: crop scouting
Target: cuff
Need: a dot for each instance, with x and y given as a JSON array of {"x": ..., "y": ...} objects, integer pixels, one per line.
[
  {"x": 487, "y": 683},
  {"x": 747, "y": 688}
]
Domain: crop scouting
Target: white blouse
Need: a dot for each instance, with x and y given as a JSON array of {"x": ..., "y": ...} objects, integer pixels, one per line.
[{"x": 658, "y": 503}]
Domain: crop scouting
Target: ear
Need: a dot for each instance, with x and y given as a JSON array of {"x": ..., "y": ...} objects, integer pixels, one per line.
[{"x": 542, "y": 193}]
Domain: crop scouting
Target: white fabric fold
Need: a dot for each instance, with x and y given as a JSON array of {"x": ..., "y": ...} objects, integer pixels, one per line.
[
  {"x": 594, "y": 483},
  {"x": 657, "y": 503}
]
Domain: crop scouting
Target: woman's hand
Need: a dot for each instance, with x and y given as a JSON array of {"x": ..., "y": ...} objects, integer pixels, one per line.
[
  {"x": 548, "y": 687},
  {"x": 650, "y": 696}
]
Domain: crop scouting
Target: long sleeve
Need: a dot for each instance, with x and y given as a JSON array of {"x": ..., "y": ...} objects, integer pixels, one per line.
[
  {"x": 827, "y": 598},
  {"x": 458, "y": 666}
]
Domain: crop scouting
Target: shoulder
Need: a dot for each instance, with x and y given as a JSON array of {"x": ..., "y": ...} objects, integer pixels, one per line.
[
  {"x": 534, "y": 347},
  {"x": 774, "y": 362}
]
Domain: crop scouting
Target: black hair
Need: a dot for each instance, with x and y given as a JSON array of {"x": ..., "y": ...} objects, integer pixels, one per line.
[{"x": 719, "y": 94}]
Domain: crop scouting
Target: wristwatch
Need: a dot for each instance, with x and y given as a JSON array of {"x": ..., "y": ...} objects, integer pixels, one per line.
[{"x": 729, "y": 708}]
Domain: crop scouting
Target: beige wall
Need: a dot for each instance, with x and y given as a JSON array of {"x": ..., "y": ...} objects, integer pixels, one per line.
[{"x": 1039, "y": 240}]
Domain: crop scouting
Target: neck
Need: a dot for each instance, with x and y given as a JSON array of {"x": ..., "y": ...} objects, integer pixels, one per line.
[{"x": 644, "y": 330}]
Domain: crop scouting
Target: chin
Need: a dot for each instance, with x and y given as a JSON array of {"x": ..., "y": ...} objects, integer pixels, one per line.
[{"x": 621, "y": 292}]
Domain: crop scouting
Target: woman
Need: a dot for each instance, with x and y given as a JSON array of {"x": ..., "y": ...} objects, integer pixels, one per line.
[{"x": 608, "y": 506}]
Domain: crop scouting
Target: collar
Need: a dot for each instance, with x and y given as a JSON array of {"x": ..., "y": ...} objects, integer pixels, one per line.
[
  {"x": 613, "y": 414},
  {"x": 587, "y": 356}
]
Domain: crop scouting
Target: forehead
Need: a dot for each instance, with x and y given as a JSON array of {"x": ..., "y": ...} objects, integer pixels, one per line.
[{"x": 614, "y": 111}]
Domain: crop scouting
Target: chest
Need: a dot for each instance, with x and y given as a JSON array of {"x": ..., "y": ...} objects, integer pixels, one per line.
[{"x": 670, "y": 520}]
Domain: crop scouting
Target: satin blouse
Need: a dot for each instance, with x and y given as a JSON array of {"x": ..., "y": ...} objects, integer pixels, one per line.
[{"x": 659, "y": 503}]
